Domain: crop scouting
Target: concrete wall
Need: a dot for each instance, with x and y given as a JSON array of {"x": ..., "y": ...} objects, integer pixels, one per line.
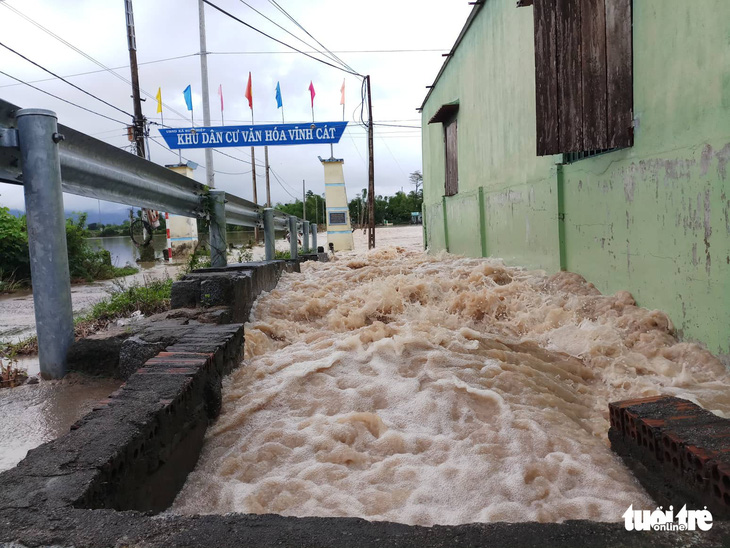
[{"x": 652, "y": 219}]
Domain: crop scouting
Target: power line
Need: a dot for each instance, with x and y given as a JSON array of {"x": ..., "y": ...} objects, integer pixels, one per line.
[
  {"x": 211, "y": 4},
  {"x": 280, "y": 183},
  {"x": 110, "y": 70},
  {"x": 285, "y": 30},
  {"x": 263, "y": 52},
  {"x": 84, "y": 54},
  {"x": 395, "y": 125},
  {"x": 64, "y": 80},
  {"x": 331, "y": 55},
  {"x": 64, "y": 100}
]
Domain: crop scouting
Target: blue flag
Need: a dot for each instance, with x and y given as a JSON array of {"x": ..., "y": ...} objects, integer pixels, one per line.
[
  {"x": 188, "y": 98},
  {"x": 279, "y": 103}
]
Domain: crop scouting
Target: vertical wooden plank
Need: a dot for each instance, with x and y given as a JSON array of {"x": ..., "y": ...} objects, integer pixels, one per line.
[
  {"x": 569, "y": 63},
  {"x": 452, "y": 159},
  {"x": 593, "y": 31},
  {"x": 619, "y": 69},
  {"x": 546, "y": 78}
]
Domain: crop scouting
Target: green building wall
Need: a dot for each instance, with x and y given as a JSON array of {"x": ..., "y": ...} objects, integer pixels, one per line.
[{"x": 653, "y": 219}]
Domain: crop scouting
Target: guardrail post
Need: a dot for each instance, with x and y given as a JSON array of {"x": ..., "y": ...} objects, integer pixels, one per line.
[
  {"x": 217, "y": 230},
  {"x": 269, "y": 234},
  {"x": 305, "y": 236},
  {"x": 293, "y": 236},
  {"x": 314, "y": 237},
  {"x": 38, "y": 138}
]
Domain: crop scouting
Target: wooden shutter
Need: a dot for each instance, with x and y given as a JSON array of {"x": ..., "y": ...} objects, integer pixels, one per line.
[
  {"x": 583, "y": 75},
  {"x": 452, "y": 165}
]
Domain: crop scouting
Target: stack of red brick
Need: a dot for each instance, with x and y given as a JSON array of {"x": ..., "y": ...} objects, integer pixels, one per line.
[{"x": 679, "y": 451}]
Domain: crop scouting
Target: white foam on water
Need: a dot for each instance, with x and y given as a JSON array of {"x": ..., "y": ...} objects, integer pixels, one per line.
[{"x": 393, "y": 385}]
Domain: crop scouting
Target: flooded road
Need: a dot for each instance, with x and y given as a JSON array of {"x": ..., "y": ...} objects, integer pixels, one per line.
[
  {"x": 393, "y": 385},
  {"x": 17, "y": 315},
  {"x": 33, "y": 414}
]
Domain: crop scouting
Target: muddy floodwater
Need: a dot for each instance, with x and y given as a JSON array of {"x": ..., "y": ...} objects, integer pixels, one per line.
[
  {"x": 33, "y": 414},
  {"x": 394, "y": 385}
]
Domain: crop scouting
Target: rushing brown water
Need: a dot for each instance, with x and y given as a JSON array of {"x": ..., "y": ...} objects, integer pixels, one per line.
[{"x": 425, "y": 390}]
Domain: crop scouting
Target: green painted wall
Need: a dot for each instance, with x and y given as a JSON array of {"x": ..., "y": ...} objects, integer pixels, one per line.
[{"x": 653, "y": 219}]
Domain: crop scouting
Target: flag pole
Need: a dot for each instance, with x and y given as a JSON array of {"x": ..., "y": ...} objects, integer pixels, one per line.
[
  {"x": 253, "y": 177},
  {"x": 220, "y": 91}
]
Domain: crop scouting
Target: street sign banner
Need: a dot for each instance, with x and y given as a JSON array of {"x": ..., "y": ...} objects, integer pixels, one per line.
[{"x": 254, "y": 135}]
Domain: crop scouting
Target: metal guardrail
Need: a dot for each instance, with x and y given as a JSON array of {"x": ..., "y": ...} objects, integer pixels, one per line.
[{"x": 47, "y": 158}]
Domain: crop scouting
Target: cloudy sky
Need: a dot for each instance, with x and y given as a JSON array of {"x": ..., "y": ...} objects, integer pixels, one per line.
[{"x": 398, "y": 42}]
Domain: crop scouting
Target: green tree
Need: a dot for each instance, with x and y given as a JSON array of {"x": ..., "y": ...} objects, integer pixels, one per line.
[{"x": 13, "y": 247}]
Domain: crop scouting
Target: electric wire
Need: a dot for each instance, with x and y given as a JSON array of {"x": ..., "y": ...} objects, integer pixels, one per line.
[
  {"x": 66, "y": 81},
  {"x": 438, "y": 50},
  {"x": 211, "y": 4},
  {"x": 85, "y": 55},
  {"x": 286, "y": 30},
  {"x": 330, "y": 54},
  {"x": 64, "y": 100},
  {"x": 280, "y": 184},
  {"x": 106, "y": 69}
]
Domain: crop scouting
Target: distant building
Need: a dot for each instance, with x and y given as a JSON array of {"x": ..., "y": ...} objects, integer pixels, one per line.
[{"x": 590, "y": 136}]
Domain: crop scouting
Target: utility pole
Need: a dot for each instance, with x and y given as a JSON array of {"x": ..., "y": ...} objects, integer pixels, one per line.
[
  {"x": 209, "y": 172},
  {"x": 138, "y": 124},
  {"x": 371, "y": 172},
  {"x": 304, "y": 202},
  {"x": 268, "y": 186}
]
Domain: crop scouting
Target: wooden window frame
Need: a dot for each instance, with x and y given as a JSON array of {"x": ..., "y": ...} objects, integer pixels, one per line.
[
  {"x": 448, "y": 116},
  {"x": 451, "y": 157},
  {"x": 583, "y": 75}
]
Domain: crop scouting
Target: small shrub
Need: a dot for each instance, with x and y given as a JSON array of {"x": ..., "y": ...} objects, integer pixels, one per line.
[
  {"x": 244, "y": 255},
  {"x": 150, "y": 298}
]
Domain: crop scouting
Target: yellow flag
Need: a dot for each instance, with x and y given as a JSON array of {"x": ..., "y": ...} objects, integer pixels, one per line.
[{"x": 159, "y": 100}]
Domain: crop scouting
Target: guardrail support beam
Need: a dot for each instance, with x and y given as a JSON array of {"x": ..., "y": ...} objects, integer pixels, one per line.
[
  {"x": 217, "y": 230},
  {"x": 313, "y": 227},
  {"x": 293, "y": 237},
  {"x": 38, "y": 137},
  {"x": 305, "y": 236},
  {"x": 269, "y": 234}
]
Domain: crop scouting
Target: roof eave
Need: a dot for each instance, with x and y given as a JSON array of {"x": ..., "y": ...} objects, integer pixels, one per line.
[{"x": 477, "y": 6}]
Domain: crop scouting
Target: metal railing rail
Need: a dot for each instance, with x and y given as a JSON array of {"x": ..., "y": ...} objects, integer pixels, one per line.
[{"x": 47, "y": 159}]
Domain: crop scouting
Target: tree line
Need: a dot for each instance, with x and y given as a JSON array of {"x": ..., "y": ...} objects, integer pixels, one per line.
[{"x": 396, "y": 209}]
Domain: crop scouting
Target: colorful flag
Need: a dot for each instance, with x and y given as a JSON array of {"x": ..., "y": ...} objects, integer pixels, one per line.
[
  {"x": 249, "y": 92},
  {"x": 220, "y": 92},
  {"x": 279, "y": 102},
  {"x": 159, "y": 100},
  {"x": 311, "y": 92},
  {"x": 342, "y": 90},
  {"x": 188, "y": 94}
]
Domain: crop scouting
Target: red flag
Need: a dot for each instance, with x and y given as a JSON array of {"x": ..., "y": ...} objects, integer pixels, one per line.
[
  {"x": 311, "y": 91},
  {"x": 249, "y": 92},
  {"x": 220, "y": 92},
  {"x": 342, "y": 89}
]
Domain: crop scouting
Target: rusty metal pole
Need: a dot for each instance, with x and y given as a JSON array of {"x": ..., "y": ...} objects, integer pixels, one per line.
[
  {"x": 255, "y": 192},
  {"x": 371, "y": 171},
  {"x": 268, "y": 186},
  {"x": 139, "y": 120}
]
